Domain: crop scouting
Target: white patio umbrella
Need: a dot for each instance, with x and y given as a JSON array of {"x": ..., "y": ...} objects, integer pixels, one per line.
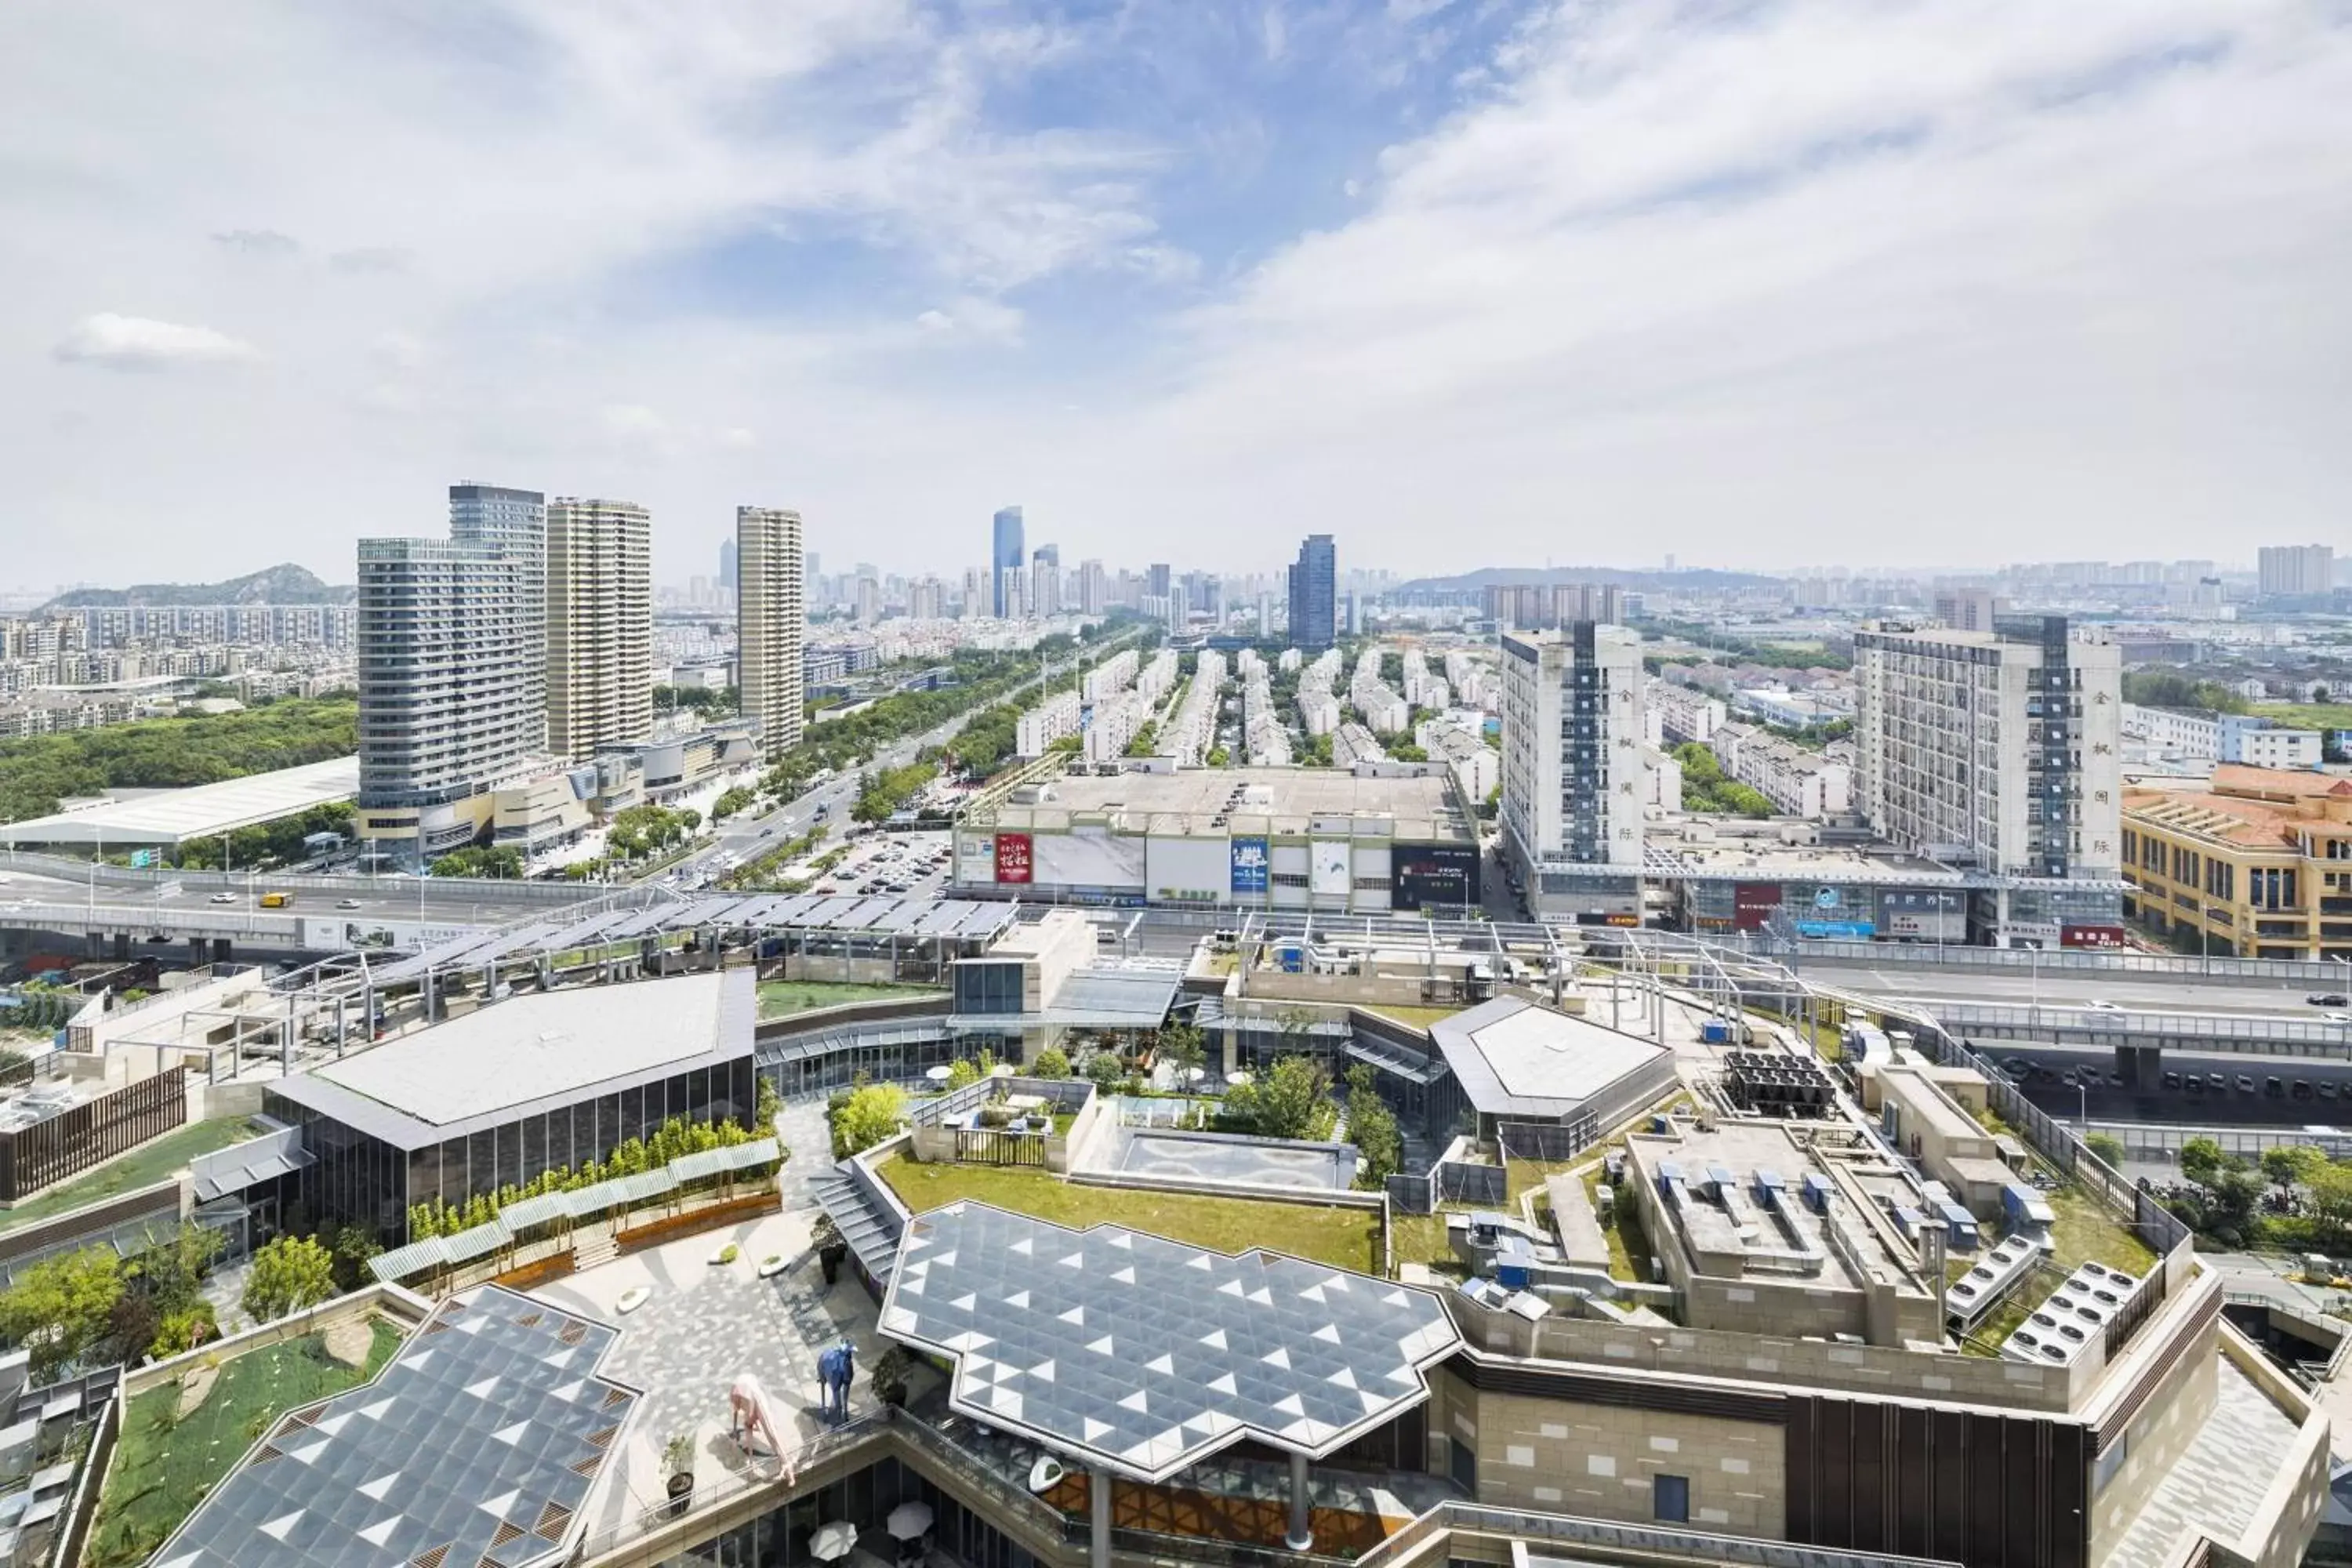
[
  {"x": 939, "y": 1075},
  {"x": 911, "y": 1522},
  {"x": 832, "y": 1540}
]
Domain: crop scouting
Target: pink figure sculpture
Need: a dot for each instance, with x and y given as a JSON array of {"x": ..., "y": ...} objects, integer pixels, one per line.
[{"x": 751, "y": 1417}]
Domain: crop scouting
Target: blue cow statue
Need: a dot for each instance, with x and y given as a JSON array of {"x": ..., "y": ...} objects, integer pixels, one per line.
[{"x": 834, "y": 1368}]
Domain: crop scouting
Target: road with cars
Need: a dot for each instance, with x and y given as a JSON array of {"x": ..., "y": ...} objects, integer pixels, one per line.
[{"x": 2072, "y": 988}]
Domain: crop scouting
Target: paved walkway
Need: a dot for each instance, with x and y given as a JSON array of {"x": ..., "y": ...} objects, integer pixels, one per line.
[{"x": 704, "y": 1326}]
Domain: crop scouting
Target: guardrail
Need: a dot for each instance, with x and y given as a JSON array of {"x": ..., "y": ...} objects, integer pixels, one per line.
[
  {"x": 200, "y": 921},
  {"x": 2138, "y": 965},
  {"x": 2314, "y": 1038}
]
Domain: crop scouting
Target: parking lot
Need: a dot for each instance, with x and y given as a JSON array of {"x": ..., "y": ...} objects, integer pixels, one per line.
[{"x": 915, "y": 863}]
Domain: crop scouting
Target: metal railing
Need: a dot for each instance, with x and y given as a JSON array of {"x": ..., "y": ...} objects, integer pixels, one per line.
[
  {"x": 2315, "y": 1037},
  {"x": 755, "y": 1476},
  {"x": 2190, "y": 967},
  {"x": 1634, "y": 1542}
]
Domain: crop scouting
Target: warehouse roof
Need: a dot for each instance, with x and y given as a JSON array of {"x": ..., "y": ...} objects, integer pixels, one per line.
[{"x": 173, "y": 816}]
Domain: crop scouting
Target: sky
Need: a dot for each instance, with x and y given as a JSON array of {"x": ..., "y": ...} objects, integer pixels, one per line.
[{"x": 1463, "y": 282}]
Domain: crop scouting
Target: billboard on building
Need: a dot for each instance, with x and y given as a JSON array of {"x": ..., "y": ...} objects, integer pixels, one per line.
[
  {"x": 1753, "y": 903},
  {"x": 1013, "y": 859},
  {"x": 1088, "y": 859},
  {"x": 1923, "y": 914},
  {"x": 975, "y": 857},
  {"x": 1251, "y": 861},
  {"x": 1422, "y": 876},
  {"x": 1327, "y": 868},
  {"x": 2091, "y": 936},
  {"x": 1829, "y": 913}
]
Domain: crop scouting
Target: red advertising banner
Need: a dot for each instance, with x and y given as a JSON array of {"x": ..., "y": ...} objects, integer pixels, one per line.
[
  {"x": 1011, "y": 856},
  {"x": 1753, "y": 903},
  {"x": 2091, "y": 936}
]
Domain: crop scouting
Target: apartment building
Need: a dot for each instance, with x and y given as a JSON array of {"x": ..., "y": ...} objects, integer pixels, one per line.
[
  {"x": 512, "y": 523},
  {"x": 2256, "y": 865},
  {"x": 1799, "y": 783},
  {"x": 1678, "y": 714},
  {"x": 2294, "y": 571},
  {"x": 2202, "y": 735},
  {"x": 771, "y": 625},
  {"x": 448, "y": 690},
  {"x": 1572, "y": 780},
  {"x": 1549, "y": 607},
  {"x": 1997, "y": 752},
  {"x": 1055, "y": 719},
  {"x": 600, "y": 667},
  {"x": 1477, "y": 767}
]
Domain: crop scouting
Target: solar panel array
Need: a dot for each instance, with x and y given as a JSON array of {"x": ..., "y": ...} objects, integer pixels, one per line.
[
  {"x": 1118, "y": 1347},
  {"x": 478, "y": 1446}
]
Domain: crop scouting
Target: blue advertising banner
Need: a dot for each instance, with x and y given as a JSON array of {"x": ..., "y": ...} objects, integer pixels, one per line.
[{"x": 1250, "y": 861}]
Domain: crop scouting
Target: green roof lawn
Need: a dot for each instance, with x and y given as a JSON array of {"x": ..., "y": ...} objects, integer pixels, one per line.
[{"x": 1343, "y": 1238}]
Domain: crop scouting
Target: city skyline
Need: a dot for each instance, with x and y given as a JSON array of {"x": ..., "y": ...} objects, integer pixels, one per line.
[{"x": 2003, "y": 277}]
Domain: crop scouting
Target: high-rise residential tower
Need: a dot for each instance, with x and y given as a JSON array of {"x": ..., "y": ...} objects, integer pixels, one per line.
[
  {"x": 729, "y": 568},
  {"x": 1006, "y": 553},
  {"x": 1314, "y": 593},
  {"x": 450, "y": 677},
  {"x": 2294, "y": 571},
  {"x": 1572, "y": 731},
  {"x": 771, "y": 624},
  {"x": 512, "y": 522},
  {"x": 600, "y": 626}
]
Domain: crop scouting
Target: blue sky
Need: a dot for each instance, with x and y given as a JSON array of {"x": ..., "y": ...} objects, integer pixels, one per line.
[{"x": 1925, "y": 282}]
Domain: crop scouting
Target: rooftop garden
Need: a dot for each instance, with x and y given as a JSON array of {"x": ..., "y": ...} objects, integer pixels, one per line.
[
  {"x": 1342, "y": 1237},
  {"x": 180, "y": 1437},
  {"x": 141, "y": 1167},
  {"x": 781, "y": 998}
]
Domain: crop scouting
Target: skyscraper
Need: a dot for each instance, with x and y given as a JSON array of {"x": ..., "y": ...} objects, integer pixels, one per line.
[
  {"x": 450, "y": 676},
  {"x": 600, "y": 626},
  {"x": 1314, "y": 593},
  {"x": 492, "y": 517},
  {"x": 1046, "y": 581},
  {"x": 1006, "y": 554},
  {"x": 771, "y": 624},
  {"x": 729, "y": 554},
  {"x": 2294, "y": 571}
]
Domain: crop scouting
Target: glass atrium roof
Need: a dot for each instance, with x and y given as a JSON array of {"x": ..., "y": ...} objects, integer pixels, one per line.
[{"x": 1118, "y": 1348}]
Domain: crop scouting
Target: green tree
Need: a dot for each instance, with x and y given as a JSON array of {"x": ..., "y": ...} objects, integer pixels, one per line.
[
  {"x": 289, "y": 1274},
  {"x": 352, "y": 1248},
  {"x": 1293, "y": 1099},
  {"x": 2107, "y": 1147},
  {"x": 1372, "y": 1129},
  {"x": 502, "y": 860},
  {"x": 2201, "y": 1160},
  {"x": 963, "y": 1073},
  {"x": 1051, "y": 1062},
  {"x": 1181, "y": 1046},
  {"x": 172, "y": 1272},
  {"x": 2288, "y": 1166},
  {"x": 61, "y": 1307},
  {"x": 870, "y": 1115}
]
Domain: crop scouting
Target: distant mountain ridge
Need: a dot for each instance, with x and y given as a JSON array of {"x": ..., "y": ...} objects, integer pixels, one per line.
[
  {"x": 284, "y": 584},
  {"x": 1635, "y": 577}
]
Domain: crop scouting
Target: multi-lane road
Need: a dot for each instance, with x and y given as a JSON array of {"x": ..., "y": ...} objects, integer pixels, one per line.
[{"x": 2132, "y": 992}]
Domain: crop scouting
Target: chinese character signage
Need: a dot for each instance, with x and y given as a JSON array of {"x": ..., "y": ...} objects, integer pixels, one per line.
[{"x": 1012, "y": 858}]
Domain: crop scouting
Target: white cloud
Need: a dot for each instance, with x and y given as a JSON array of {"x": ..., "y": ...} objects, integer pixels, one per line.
[
  {"x": 1787, "y": 282},
  {"x": 259, "y": 241},
  {"x": 134, "y": 343}
]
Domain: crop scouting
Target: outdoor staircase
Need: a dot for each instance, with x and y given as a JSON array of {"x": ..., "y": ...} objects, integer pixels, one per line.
[
  {"x": 871, "y": 1231},
  {"x": 588, "y": 1251}
]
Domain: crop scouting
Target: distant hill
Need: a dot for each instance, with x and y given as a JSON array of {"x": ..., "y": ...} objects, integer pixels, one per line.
[
  {"x": 284, "y": 583},
  {"x": 1516, "y": 576}
]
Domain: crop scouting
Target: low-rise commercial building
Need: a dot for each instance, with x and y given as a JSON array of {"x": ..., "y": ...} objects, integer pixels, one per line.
[
  {"x": 2258, "y": 864},
  {"x": 1242, "y": 838}
]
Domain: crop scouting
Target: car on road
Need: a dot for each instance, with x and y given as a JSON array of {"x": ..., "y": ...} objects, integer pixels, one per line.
[
  {"x": 2101, "y": 1004},
  {"x": 347, "y": 904},
  {"x": 2329, "y": 999},
  {"x": 767, "y": 833},
  {"x": 223, "y": 898}
]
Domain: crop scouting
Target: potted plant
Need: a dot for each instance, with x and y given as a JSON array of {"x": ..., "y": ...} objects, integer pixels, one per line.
[
  {"x": 888, "y": 1378},
  {"x": 831, "y": 1247},
  {"x": 679, "y": 1455}
]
